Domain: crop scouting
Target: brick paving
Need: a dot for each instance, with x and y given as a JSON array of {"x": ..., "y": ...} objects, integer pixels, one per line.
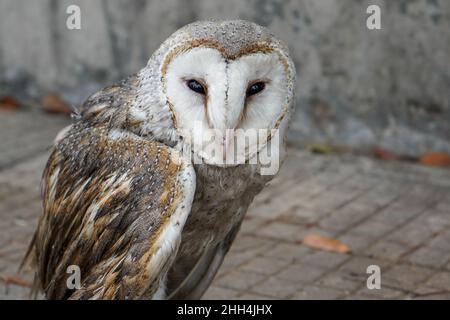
[{"x": 391, "y": 214}]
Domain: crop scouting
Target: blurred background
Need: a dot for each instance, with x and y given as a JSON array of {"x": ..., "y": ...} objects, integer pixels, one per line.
[
  {"x": 378, "y": 93},
  {"x": 356, "y": 87}
]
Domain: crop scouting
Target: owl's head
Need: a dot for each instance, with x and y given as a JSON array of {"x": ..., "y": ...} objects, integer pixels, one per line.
[{"x": 220, "y": 80}]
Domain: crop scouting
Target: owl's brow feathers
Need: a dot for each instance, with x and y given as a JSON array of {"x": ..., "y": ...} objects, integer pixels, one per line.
[{"x": 258, "y": 47}]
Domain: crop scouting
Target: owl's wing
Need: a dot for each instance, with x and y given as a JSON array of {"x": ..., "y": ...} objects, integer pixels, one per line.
[
  {"x": 198, "y": 280},
  {"x": 114, "y": 207}
]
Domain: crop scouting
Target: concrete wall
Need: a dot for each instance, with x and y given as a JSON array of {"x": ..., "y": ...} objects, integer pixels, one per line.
[{"x": 356, "y": 87}]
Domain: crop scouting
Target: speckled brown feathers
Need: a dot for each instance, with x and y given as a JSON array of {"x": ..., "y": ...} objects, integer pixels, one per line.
[{"x": 107, "y": 200}]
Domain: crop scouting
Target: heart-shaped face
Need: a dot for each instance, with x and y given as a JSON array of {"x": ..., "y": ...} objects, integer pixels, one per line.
[{"x": 227, "y": 108}]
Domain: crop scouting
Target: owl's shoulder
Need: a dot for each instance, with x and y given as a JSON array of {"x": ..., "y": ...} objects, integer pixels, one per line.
[
  {"x": 125, "y": 200},
  {"x": 111, "y": 102}
]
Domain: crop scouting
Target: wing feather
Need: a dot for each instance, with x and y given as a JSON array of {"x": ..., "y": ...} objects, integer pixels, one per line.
[
  {"x": 200, "y": 277},
  {"x": 114, "y": 205}
]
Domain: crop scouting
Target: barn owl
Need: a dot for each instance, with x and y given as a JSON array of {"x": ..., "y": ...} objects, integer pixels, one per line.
[{"x": 126, "y": 204}]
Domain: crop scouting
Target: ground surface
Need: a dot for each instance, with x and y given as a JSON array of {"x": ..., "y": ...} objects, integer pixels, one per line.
[{"x": 394, "y": 215}]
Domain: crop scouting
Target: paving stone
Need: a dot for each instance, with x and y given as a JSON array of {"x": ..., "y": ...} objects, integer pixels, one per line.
[
  {"x": 358, "y": 265},
  {"x": 436, "y": 221},
  {"x": 301, "y": 273},
  {"x": 325, "y": 259},
  {"x": 13, "y": 292},
  {"x": 359, "y": 296},
  {"x": 306, "y": 190},
  {"x": 383, "y": 293},
  {"x": 440, "y": 280},
  {"x": 234, "y": 259},
  {"x": 264, "y": 265},
  {"x": 439, "y": 295},
  {"x": 357, "y": 243},
  {"x": 240, "y": 280},
  {"x": 359, "y": 182},
  {"x": 282, "y": 231},
  {"x": 444, "y": 204},
  {"x": 411, "y": 234},
  {"x": 396, "y": 215},
  {"x": 301, "y": 215},
  {"x": 347, "y": 216},
  {"x": 277, "y": 288},
  {"x": 373, "y": 229},
  {"x": 426, "y": 256},
  {"x": 430, "y": 293},
  {"x": 276, "y": 206},
  {"x": 441, "y": 241},
  {"x": 342, "y": 280},
  {"x": 219, "y": 293},
  {"x": 317, "y": 293},
  {"x": 386, "y": 249},
  {"x": 405, "y": 277},
  {"x": 331, "y": 202},
  {"x": 253, "y": 296},
  {"x": 245, "y": 243},
  {"x": 251, "y": 225},
  {"x": 321, "y": 232},
  {"x": 287, "y": 251},
  {"x": 381, "y": 196}
]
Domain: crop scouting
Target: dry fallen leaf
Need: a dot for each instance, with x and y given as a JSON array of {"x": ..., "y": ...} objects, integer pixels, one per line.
[
  {"x": 439, "y": 159},
  {"x": 53, "y": 103},
  {"x": 383, "y": 154},
  {"x": 8, "y": 103},
  {"x": 322, "y": 148},
  {"x": 323, "y": 243},
  {"x": 16, "y": 281}
]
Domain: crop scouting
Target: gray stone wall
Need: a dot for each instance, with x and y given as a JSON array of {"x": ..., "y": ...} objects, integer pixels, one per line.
[{"x": 356, "y": 87}]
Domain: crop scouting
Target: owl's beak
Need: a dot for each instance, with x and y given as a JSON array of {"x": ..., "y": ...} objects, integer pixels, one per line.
[{"x": 228, "y": 137}]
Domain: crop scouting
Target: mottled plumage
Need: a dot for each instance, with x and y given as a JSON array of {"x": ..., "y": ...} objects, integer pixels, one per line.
[{"x": 121, "y": 199}]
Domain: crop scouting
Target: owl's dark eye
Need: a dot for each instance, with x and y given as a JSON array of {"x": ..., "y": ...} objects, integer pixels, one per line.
[
  {"x": 196, "y": 86},
  {"x": 255, "y": 88}
]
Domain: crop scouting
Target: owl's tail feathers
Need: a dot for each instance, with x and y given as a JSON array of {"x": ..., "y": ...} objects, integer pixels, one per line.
[
  {"x": 202, "y": 274},
  {"x": 28, "y": 265}
]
